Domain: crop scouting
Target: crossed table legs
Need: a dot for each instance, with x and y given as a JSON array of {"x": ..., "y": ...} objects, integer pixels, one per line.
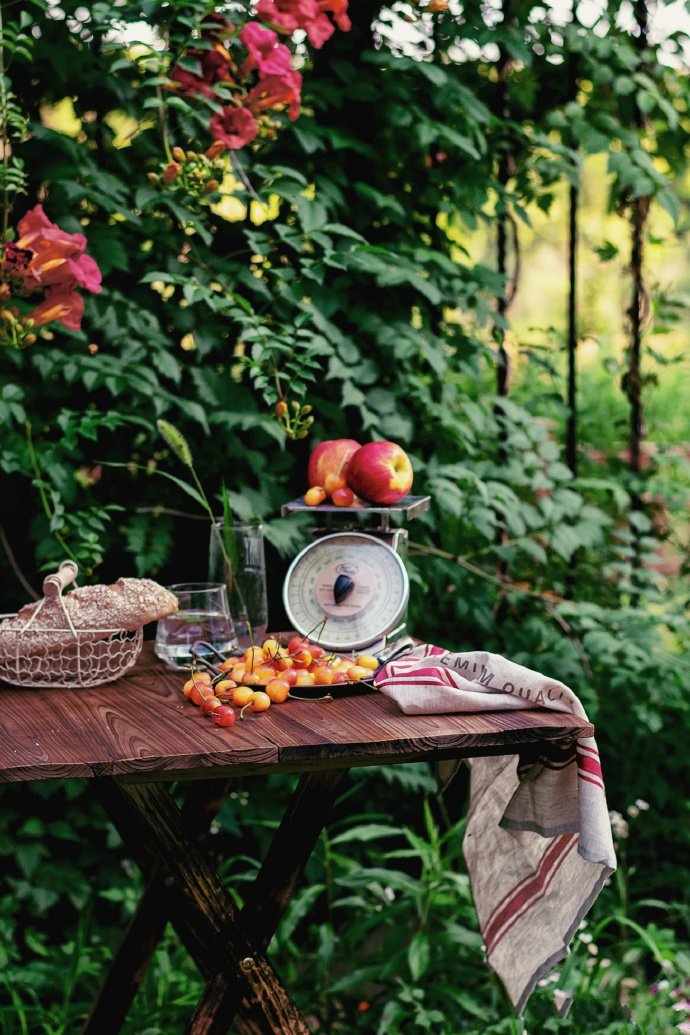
[{"x": 183, "y": 887}]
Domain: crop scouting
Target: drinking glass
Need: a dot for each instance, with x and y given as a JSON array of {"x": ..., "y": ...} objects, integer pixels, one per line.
[
  {"x": 246, "y": 582},
  {"x": 203, "y": 614}
]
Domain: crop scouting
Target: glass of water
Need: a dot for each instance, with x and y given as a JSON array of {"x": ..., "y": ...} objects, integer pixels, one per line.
[
  {"x": 203, "y": 614},
  {"x": 246, "y": 582}
]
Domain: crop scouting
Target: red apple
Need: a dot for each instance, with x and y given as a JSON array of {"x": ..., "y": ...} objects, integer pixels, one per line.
[
  {"x": 330, "y": 458},
  {"x": 380, "y": 472}
]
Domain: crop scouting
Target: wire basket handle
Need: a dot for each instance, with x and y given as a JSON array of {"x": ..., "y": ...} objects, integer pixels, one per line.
[{"x": 54, "y": 584}]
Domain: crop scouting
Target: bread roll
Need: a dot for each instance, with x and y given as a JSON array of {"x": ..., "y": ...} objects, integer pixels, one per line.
[{"x": 95, "y": 611}]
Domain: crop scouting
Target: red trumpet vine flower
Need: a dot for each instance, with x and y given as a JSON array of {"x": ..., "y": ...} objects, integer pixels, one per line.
[
  {"x": 265, "y": 53},
  {"x": 276, "y": 92},
  {"x": 65, "y": 306},
  {"x": 234, "y": 127},
  {"x": 310, "y": 15},
  {"x": 44, "y": 255}
]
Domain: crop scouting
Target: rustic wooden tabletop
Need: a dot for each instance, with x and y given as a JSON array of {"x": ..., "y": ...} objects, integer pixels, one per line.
[{"x": 141, "y": 727}]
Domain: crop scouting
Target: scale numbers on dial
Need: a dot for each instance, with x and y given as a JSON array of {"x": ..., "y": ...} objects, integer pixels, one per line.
[{"x": 354, "y": 581}]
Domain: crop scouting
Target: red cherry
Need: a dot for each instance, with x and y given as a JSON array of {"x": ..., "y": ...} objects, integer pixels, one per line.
[
  {"x": 343, "y": 497},
  {"x": 210, "y": 705},
  {"x": 223, "y": 716},
  {"x": 297, "y": 643}
]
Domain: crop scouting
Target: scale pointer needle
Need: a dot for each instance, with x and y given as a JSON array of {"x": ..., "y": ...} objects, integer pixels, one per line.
[{"x": 342, "y": 587}]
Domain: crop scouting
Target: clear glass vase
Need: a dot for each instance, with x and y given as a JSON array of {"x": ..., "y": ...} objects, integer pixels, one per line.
[{"x": 246, "y": 582}]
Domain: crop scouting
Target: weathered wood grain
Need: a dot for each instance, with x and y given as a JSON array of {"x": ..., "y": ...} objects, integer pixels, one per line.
[
  {"x": 206, "y": 907},
  {"x": 141, "y": 726},
  {"x": 146, "y": 926}
]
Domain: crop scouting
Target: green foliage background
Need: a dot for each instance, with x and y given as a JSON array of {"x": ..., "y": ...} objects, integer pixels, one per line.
[{"x": 373, "y": 295}]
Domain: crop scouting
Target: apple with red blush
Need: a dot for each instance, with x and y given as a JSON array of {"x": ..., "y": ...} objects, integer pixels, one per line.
[
  {"x": 330, "y": 459},
  {"x": 380, "y": 472}
]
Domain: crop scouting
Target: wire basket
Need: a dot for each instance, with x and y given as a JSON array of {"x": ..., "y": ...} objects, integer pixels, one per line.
[{"x": 69, "y": 656}]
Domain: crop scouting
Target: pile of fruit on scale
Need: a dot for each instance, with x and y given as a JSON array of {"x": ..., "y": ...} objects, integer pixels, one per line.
[
  {"x": 271, "y": 674},
  {"x": 346, "y": 473}
]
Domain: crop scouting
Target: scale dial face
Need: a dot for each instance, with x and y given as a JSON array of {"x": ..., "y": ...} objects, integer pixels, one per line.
[{"x": 354, "y": 581}]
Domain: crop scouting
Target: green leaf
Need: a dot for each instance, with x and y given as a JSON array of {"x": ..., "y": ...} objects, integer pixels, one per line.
[
  {"x": 565, "y": 541},
  {"x": 188, "y": 489},
  {"x": 670, "y": 202},
  {"x": 418, "y": 956},
  {"x": 366, "y": 832},
  {"x": 230, "y": 539},
  {"x": 343, "y": 231},
  {"x": 166, "y": 364}
]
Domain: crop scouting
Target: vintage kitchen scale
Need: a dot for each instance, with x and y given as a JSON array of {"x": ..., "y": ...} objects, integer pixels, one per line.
[{"x": 349, "y": 588}]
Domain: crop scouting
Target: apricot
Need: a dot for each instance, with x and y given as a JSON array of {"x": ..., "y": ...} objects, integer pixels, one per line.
[{"x": 317, "y": 494}]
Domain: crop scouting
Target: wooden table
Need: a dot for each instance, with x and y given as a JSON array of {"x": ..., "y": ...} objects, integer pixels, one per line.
[{"x": 138, "y": 734}]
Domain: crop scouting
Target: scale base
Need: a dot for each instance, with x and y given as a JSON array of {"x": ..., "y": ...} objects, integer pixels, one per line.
[
  {"x": 396, "y": 642},
  {"x": 409, "y": 506}
]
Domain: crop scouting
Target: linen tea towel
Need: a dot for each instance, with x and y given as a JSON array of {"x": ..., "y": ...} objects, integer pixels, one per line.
[{"x": 538, "y": 842}]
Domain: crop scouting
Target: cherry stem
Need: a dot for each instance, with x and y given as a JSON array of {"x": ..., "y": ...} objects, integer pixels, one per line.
[
  {"x": 320, "y": 626},
  {"x": 327, "y": 697}
]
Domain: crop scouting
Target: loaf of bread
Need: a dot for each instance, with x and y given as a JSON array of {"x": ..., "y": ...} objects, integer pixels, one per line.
[{"x": 94, "y": 611}]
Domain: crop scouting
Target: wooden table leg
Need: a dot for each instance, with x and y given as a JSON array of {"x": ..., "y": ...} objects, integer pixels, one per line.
[
  {"x": 206, "y": 912},
  {"x": 305, "y": 817},
  {"x": 268, "y": 897},
  {"x": 148, "y": 923}
]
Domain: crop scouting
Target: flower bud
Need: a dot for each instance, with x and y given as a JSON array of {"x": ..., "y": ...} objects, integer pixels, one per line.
[
  {"x": 178, "y": 154},
  {"x": 216, "y": 148},
  {"x": 281, "y": 408},
  {"x": 211, "y": 186},
  {"x": 153, "y": 178},
  {"x": 171, "y": 173}
]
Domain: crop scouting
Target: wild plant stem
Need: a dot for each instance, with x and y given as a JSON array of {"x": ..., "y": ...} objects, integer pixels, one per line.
[
  {"x": 38, "y": 482},
  {"x": 4, "y": 141},
  {"x": 9, "y": 553},
  {"x": 496, "y": 580},
  {"x": 163, "y": 124}
]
